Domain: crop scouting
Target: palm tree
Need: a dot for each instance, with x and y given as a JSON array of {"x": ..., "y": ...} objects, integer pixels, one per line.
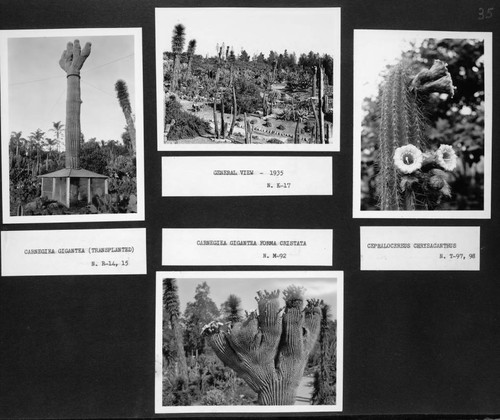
[
  {"x": 190, "y": 53},
  {"x": 16, "y": 139},
  {"x": 124, "y": 100},
  {"x": 50, "y": 143},
  {"x": 178, "y": 40},
  {"x": 171, "y": 306},
  {"x": 36, "y": 139},
  {"x": 57, "y": 128}
]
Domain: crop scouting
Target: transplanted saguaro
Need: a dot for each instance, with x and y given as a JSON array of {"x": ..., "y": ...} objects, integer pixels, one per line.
[
  {"x": 73, "y": 183},
  {"x": 269, "y": 349},
  {"x": 71, "y": 62}
]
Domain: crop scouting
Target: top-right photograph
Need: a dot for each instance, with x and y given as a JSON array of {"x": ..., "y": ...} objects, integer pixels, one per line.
[{"x": 422, "y": 124}]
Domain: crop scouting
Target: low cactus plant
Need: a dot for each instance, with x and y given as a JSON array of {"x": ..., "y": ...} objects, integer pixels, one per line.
[
  {"x": 269, "y": 349},
  {"x": 411, "y": 176}
]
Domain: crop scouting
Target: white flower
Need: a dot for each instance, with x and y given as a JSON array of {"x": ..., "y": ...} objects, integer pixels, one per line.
[
  {"x": 408, "y": 159},
  {"x": 446, "y": 157}
]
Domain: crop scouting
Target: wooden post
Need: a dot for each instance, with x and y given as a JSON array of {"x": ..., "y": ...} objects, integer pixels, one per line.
[
  {"x": 53, "y": 189},
  {"x": 68, "y": 191},
  {"x": 41, "y": 192},
  {"x": 88, "y": 192}
]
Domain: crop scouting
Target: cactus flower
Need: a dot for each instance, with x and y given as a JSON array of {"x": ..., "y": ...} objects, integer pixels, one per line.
[
  {"x": 446, "y": 157},
  {"x": 408, "y": 159}
]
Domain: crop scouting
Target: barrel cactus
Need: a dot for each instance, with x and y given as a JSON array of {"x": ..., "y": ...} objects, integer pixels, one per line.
[
  {"x": 269, "y": 349},
  {"x": 411, "y": 175}
]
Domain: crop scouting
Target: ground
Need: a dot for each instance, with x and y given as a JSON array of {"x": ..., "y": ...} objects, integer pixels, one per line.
[
  {"x": 305, "y": 390},
  {"x": 261, "y": 134}
]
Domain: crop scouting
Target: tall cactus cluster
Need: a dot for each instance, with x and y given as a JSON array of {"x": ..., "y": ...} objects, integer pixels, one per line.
[
  {"x": 411, "y": 176},
  {"x": 321, "y": 132},
  {"x": 71, "y": 62},
  {"x": 269, "y": 349}
]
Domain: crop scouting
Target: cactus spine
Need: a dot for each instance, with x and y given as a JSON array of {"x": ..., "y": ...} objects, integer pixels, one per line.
[
  {"x": 402, "y": 129},
  {"x": 71, "y": 62},
  {"x": 269, "y": 350}
]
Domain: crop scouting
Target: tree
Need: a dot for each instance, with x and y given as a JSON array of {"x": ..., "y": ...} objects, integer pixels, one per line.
[
  {"x": 171, "y": 305},
  {"x": 231, "y": 309},
  {"x": 36, "y": 139},
  {"x": 244, "y": 56},
  {"x": 269, "y": 350},
  {"x": 16, "y": 140},
  {"x": 124, "y": 100},
  {"x": 178, "y": 40},
  {"x": 50, "y": 143},
  {"x": 197, "y": 314},
  {"x": 57, "y": 129}
]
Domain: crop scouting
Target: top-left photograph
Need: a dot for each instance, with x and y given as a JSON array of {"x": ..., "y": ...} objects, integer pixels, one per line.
[{"x": 72, "y": 125}]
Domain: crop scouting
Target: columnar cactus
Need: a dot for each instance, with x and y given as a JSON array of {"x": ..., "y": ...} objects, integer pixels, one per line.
[
  {"x": 71, "y": 62},
  {"x": 269, "y": 350},
  {"x": 410, "y": 177}
]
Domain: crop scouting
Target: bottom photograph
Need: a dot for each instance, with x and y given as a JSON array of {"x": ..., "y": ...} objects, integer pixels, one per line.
[{"x": 263, "y": 341}]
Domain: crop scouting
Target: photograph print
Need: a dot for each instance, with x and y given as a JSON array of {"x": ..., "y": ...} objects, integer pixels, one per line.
[
  {"x": 265, "y": 79},
  {"x": 72, "y": 146},
  {"x": 249, "y": 342},
  {"x": 422, "y": 124}
]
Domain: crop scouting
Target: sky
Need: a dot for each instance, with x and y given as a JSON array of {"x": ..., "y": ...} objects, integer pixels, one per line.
[
  {"x": 246, "y": 289},
  {"x": 373, "y": 51},
  {"x": 253, "y": 29},
  {"x": 37, "y": 85}
]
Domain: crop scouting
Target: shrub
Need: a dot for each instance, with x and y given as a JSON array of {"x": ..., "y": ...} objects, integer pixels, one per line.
[
  {"x": 186, "y": 125},
  {"x": 214, "y": 397},
  {"x": 280, "y": 127}
]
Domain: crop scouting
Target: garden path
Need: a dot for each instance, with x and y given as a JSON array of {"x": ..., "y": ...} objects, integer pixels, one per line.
[{"x": 304, "y": 391}]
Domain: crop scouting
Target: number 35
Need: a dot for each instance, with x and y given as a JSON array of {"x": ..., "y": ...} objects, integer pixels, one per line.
[{"x": 485, "y": 13}]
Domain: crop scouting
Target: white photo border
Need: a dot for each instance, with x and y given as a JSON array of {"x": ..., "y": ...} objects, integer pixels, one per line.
[
  {"x": 488, "y": 118},
  {"x": 5, "y": 35},
  {"x": 160, "y": 275},
  {"x": 334, "y": 146}
]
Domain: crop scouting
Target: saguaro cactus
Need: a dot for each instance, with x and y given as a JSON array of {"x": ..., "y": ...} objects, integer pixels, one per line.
[
  {"x": 410, "y": 177},
  {"x": 71, "y": 62},
  {"x": 269, "y": 349}
]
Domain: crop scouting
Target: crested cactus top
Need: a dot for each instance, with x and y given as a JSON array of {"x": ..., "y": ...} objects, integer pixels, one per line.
[{"x": 73, "y": 57}]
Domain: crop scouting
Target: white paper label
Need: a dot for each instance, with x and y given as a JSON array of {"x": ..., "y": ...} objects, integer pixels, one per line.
[
  {"x": 246, "y": 176},
  {"x": 285, "y": 247},
  {"x": 74, "y": 252},
  {"x": 420, "y": 248}
]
